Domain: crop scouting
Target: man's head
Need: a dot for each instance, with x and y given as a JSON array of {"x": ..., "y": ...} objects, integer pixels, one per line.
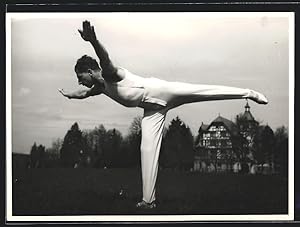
[{"x": 86, "y": 67}]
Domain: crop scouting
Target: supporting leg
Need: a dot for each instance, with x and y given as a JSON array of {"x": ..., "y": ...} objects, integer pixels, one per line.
[{"x": 152, "y": 129}]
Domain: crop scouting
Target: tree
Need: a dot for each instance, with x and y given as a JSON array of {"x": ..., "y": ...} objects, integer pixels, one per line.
[
  {"x": 87, "y": 158},
  {"x": 56, "y": 146},
  {"x": 264, "y": 145},
  {"x": 33, "y": 156},
  {"x": 41, "y": 152},
  {"x": 281, "y": 150},
  {"x": 112, "y": 147},
  {"x": 99, "y": 138},
  {"x": 53, "y": 152},
  {"x": 268, "y": 145},
  {"x": 72, "y": 147},
  {"x": 177, "y": 151},
  {"x": 132, "y": 142},
  {"x": 103, "y": 146},
  {"x": 37, "y": 156},
  {"x": 94, "y": 141}
]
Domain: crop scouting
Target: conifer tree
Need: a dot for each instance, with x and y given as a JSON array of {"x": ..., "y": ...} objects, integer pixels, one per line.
[
  {"x": 133, "y": 142},
  {"x": 177, "y": 151},
  {"x": 33, "y": 155},
  {"x": 72, "y": 148},
  {"x": 281, "y": 150}
]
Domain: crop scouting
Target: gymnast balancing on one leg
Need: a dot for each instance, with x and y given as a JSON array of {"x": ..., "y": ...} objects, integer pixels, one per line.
[{"x": 155, "y": 96}]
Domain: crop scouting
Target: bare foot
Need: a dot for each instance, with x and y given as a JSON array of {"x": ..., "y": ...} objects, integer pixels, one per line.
[{"x": 257, "y": 97}]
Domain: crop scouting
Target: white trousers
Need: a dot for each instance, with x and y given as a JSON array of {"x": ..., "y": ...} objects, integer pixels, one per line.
[
  {"x": 154, "y": 120},
  {"x": 152, "y": 131}
]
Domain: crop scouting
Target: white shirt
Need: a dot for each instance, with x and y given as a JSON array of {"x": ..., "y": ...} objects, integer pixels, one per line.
[{"x": 133, "y": 90}]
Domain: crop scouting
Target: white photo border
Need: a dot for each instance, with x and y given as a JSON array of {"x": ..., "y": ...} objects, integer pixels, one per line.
[{"x": 149, "y": 218}]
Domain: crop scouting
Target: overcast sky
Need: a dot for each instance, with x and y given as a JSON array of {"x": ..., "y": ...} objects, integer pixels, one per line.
[{"x": 241, "y": 50}]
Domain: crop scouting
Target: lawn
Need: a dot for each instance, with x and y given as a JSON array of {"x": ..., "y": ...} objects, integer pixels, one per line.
[{"x": 115, "y": 191}]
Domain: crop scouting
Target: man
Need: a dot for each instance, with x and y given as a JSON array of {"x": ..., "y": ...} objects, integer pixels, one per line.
[{"x": 155, "y": 96}]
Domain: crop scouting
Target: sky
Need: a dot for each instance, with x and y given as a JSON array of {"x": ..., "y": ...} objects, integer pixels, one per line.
[{"x": 248, "y": 50}]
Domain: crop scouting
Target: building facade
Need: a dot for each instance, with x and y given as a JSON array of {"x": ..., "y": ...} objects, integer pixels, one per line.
[{"x": 223, "y": 145}]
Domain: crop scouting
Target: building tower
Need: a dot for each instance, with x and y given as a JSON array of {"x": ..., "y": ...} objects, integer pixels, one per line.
[{"x": 248, "y": 127}]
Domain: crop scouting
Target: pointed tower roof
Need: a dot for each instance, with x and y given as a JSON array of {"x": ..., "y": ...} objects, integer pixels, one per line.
[{"x": 247, "y": 116}]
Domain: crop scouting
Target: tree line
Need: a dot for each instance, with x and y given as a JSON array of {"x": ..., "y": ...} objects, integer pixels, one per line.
[{"x": 108, "y": 148}]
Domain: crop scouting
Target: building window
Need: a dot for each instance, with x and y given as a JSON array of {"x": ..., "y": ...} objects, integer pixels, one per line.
[
  {"x": 212, "y": 128},
  {"x": 206, "y": 135}
]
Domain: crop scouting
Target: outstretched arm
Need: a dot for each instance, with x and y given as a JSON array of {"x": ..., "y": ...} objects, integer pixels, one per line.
[
  {"x": 82, "y": 93},
  {"x": 109, "y": 71}
]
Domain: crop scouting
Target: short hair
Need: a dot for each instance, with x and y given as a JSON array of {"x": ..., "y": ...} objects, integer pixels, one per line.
[{"x": 86, "y": 62}]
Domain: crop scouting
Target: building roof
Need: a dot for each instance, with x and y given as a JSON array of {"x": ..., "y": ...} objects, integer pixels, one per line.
[
  {"x": 203, "y": 127},
  {"x": 247, "y": 116},
  {"x": 231, "y": 126},
  {"x": 228, "y": 124}
]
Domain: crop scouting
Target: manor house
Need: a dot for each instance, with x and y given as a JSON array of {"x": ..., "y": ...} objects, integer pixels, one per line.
[{"x": 224, "y": 145}]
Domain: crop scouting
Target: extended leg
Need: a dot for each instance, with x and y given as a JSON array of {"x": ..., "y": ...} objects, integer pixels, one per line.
[
  {"x": 181, "y": 93},
  {"x": 152, "y": 129}
]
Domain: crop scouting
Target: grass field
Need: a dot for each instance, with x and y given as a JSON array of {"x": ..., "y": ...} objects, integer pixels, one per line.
[{"x": 97, "y": 192}]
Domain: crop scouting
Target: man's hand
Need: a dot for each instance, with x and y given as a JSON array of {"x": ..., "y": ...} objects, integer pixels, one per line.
[
  {"x": 82, "y": 93},
  {"x": 87, "y": 32},
  {"x": 64, "y": 93}
]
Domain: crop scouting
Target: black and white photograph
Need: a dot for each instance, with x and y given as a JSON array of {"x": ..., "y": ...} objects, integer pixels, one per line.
[{"x": 150, "y": 116}]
